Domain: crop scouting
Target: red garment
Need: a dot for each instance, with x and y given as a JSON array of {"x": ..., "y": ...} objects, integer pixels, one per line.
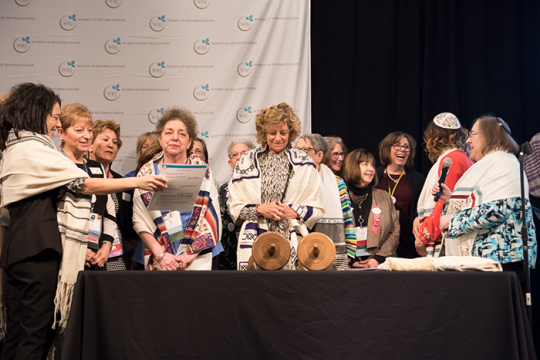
[{"x": 429, "y": 229}]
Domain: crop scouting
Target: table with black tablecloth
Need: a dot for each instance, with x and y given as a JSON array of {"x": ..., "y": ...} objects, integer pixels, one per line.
[{"x": 297, "y": 315}]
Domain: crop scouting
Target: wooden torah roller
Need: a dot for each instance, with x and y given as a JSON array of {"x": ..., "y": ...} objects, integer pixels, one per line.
[
  {"x": 316, "y": 252},
  {"x": 271, "y": 251}
]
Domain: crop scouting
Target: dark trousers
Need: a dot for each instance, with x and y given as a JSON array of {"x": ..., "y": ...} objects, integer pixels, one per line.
[{"x": 32, "y": 288}]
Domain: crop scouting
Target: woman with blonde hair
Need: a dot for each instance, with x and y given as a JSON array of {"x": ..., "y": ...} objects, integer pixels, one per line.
[
  {"x": 274, "y": 187},
  {"x": 444, "y": 138}
]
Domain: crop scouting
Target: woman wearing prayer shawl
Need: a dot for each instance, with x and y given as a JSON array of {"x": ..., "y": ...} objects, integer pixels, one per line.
[
  {"x": 229, "y": 235},
  {"x": 45, "y": 245},
  {"x": 77, "y": 137},
  {"x": 178, "y": 240},
  {"x": 445, "y": 138},
  {"x": 337, "y": 220},
  {"x": 375, "y": 219},
  {"x": 274, "y": 187},
  {"x": 483, "y": 216}
]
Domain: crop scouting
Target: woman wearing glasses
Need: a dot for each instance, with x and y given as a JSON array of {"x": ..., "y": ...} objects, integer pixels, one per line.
[
  {"x": 396, "y": 153},
  {"x": 445, "y": 138},
  {"x": 335, "y": 156},
  {"x": 483, "y": 217}
]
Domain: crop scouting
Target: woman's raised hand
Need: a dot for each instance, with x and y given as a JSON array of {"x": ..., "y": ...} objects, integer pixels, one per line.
[{"x": 152, "y": 182}]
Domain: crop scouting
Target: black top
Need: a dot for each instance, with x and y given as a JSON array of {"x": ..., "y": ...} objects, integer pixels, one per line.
[
  {"x": 33, "y": 228},
  {"x": 124, "y": 216},
  {"x": 100, "y": 206}
]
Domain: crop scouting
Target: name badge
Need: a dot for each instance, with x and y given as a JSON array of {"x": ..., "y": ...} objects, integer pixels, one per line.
[
  {"x": 96, "y": 171},
  {"x": 126, "y": 197},
  {"x": 376, "y": 218},
  {"x": 116, "y": 248},
  {"x": 94, "y": 231}
]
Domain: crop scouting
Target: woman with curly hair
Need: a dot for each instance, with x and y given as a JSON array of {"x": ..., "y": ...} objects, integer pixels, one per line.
[
  {"x": 274, "y": 187},
  {"x": 444, "y": 138},
  {"x": 177, "y": 240}
]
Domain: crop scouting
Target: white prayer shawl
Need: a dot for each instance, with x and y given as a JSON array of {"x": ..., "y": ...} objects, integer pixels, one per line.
[
  {"x": 31, "y": 165},
  {"x": 333, "y": 213},
  {"x": 143, "y": 220},
  {"x": 245, "y": 189},
  {"x": 494, "y": 177},
  {"x": 426, "y": 204},
  {"x": 446, "y": 263}
]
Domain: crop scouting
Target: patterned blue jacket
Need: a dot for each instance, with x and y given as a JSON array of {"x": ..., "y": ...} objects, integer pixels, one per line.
[{"x": 499, "y": 224}]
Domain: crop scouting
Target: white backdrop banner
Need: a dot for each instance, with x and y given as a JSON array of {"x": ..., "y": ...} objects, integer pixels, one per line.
[{"x": 128, "y": 60}]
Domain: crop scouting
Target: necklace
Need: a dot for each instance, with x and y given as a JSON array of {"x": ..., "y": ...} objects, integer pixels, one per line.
[
  {"x": 362, "y": 199},
  {"x": 391, "y": 178},
  {"x": 359, "y": 202},
  {"x": 396, "y": 182}
]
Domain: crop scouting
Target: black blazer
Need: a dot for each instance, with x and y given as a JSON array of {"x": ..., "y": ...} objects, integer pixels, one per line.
[{"x": 124, "y": 216}]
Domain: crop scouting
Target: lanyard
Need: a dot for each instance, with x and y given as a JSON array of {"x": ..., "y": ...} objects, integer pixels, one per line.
[
  {"x": 84, "y": 162},
  {"x": 391, "y": 192}
]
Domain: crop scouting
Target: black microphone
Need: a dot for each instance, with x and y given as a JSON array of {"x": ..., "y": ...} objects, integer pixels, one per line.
[
  {"x": 526, "y": 148},
  {"x": 442, "y": 179}
]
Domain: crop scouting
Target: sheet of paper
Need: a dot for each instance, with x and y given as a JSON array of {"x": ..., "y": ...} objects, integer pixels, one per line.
[{"x": 182, "y": 188}]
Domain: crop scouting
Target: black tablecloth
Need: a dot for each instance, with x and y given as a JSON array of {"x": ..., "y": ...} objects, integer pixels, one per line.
[{"x": 297, "y": 315}]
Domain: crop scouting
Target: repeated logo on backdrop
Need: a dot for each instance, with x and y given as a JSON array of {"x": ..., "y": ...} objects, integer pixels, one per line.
[
  {"x": 243, "y": 115},
  {"x": 201, "y": 4},
  {"x": 113, "y": 46},
  {"x": 22, "y": 45},
  {"x": 201, "y": 93},
  {"x": 67, "y": 68},
  {"x": 152, "y": 49},
  {"x": 157, "y": 23},
  {"x": 245, "y": 68},
  {"x": 202, "y": 46},
  {"x": 113, "y": 4},
  {"x": 68, "y": 22},
  {"x": 154, "y": 115},
  {"x": 112, "y": 92},
  {"x": 157, "y": 69},
  {"x": 245, "y": 23}
]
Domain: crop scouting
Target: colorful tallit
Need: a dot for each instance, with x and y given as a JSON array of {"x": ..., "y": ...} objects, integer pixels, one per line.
[
  {"x": 485, "y": 211},
  {"x": 202, "y": 231},
  {"x": 332, "y": 223},
  {"x": 31, "y": 165},
  {"x": 303, "y": 195}
]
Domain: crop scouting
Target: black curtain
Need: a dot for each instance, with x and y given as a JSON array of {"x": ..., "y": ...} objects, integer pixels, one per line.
[{"x": 380, "y": 66}]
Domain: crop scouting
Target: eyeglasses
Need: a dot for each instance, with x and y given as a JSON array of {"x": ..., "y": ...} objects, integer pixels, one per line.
[
  {"x": 398, "y": 147},
  {"x": 473, "y": 133},
  {"x": 307, "y": 149},
  {"x": 338, "y": 155}
]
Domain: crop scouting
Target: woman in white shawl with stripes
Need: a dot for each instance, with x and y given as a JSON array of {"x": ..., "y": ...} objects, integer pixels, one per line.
[
  {"x": 274, "y": 187},
  {"x": 45, "y": 244}
]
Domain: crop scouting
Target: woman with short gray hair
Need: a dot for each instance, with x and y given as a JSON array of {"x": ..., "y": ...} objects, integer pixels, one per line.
[
  {"x": 229, "y": 235},
  {"x": 337, "y": 220}
]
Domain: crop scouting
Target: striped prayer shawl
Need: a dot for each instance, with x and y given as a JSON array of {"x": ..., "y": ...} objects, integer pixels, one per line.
[
  {"x": 202, "y": 229},
  {"x": 31, "y": 165}
]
